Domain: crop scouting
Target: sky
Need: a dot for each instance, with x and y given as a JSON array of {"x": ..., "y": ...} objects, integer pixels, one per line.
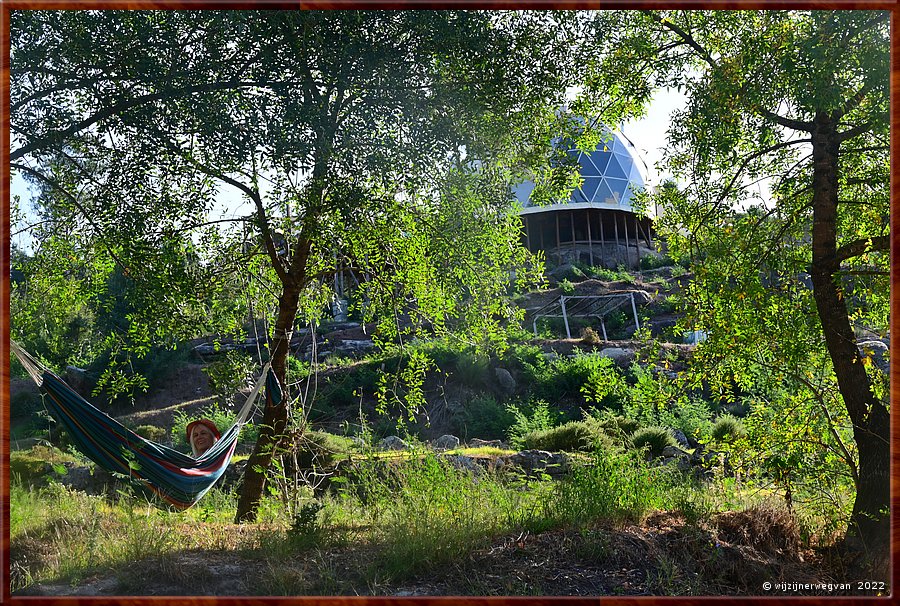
[{"x": 648, "y": 135}]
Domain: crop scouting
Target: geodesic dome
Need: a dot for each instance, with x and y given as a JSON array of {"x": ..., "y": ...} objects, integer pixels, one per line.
[{"x": 611, "y": 174}]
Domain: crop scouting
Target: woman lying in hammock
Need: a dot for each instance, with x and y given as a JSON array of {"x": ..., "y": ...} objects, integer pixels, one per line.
[{"x": 202, "y": 434}]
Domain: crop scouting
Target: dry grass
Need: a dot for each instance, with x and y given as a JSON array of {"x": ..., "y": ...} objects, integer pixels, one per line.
[{"x": 768, "y": 528}]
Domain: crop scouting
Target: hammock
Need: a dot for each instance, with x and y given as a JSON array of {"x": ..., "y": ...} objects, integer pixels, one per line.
[{"x": 179, "y": 479}]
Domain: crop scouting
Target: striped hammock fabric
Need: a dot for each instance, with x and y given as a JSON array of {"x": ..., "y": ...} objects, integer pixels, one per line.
[{"x": 179, "y": 479}]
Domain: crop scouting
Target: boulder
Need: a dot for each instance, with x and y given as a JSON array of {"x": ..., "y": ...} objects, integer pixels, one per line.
[
  {"x": 672, "y": 451},
  {"x": 540, "y": 461},
  {"x": 80, "y": 380},
  {"x": 92, "y": 480},
  {"x": 505, "y": 385},
  {"x": 877, "y": 350},
  {"x": 464, "y": 462},
  {"x": 455, "y": 406},
  {"x": 353, "y": 347},
  {"x": 681, "y": 438},
  {"x": 392, "y": 443},
  {"x": 445, "y": 442},
  {"x": 675, "y": 456},
  {"x": 566, "y": 271},
  {"x": 618, "y": 354}
]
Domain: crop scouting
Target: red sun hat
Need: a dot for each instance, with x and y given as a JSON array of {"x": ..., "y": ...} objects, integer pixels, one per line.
[{"x": 209, "y": 425}]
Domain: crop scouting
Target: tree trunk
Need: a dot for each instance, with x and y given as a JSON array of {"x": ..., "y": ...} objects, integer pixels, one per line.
[
  {"x": 871, "y": 423},
  {"x": 274, "y": 417}
]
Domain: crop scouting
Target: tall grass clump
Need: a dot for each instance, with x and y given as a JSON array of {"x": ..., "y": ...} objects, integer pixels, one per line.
[
  {"x": 727, "y": 429},
  {"x": 71, "y": 525},
  {"x": 143, "y": 531},
  {"x": 574, "y": 436},
  {"x": 437, "y": 513},
  {"x": 615, "y": 488},
  {"x": 653, "y": 439},
  {"x": 27, "y": 509}
]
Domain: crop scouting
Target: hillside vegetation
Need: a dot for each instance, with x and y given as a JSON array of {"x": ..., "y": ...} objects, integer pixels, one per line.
[{"x": 644, "y": 487}]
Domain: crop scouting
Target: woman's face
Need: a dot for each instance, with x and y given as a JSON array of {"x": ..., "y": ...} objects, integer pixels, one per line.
[{"x": 201, "y": 439}]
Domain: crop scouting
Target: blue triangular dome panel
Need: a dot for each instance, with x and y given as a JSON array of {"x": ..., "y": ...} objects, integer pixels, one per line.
[
  {"x": 618, "y": 187},
  {"x": 604, "y": 194},
  {"x": 599, "y": 160},
  {"x": 614, "y": 169},
  {"x": 619, "y": 147},
  {"x": 589, "y": 187}
]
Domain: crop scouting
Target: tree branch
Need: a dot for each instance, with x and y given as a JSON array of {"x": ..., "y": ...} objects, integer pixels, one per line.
[
  {"x": 854, "y": 101},
  {"x": 688, "y": 39},
  {"x": 806, "y": 127},
  {"x": 118, "y": 108},
  {"x": 56, "y": 186},
  {"x": 858, "y": 129},
  {"x": 862, "y": 246},
  {"x": 257, "y": 201},
  {"x": 753, "y": 156}
]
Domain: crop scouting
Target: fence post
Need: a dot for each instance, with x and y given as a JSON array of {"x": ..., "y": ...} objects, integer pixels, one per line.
[
  {"x": 637, "y": 325},
  {"x": 562, "y": 303}
]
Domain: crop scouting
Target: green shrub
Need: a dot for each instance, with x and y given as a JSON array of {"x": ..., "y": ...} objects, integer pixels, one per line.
[
  {"x": 442, "y": 352},
  {"x": 30, "y": 466},
  {"x": 536, "y": 416},
  {"x": 573, "y": 273},
  {"x": 691, "y": 415},
  {"x": 524, "y": 357},
  {"x": 151, "y": 432},
  {"x": 610, "y": 275},
  {"x": 340, "y": 394},
  {"x": 472, "y": 369},
  {"x": 617, "y": 427},
  {"x": 564, "y": 378},
  {"x": 654, "y": 439},
  {"x": 296, "y": 370},
  {"x": 656, "y": 261},
  {"x": 125, "y": 377},
  {"x": 25, "y": 404},
  {"x": 574, "y": 436},
  {"x": 668, "y": 304},
  {"x": 616, "y": 320},
  {"x": 615, "y": 488},
  {"x": 566, "y": 287},
  {"x": 605, "y": 385},
  {"x": 321, "y": 448},
  {"x": 228, "y": 375},
  {"x": 727, "y": 429},
  {"x": 483, "y": 417}
]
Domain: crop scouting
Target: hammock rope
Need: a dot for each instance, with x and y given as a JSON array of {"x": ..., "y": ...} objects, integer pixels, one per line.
[{"x": 179, "y": 479}]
